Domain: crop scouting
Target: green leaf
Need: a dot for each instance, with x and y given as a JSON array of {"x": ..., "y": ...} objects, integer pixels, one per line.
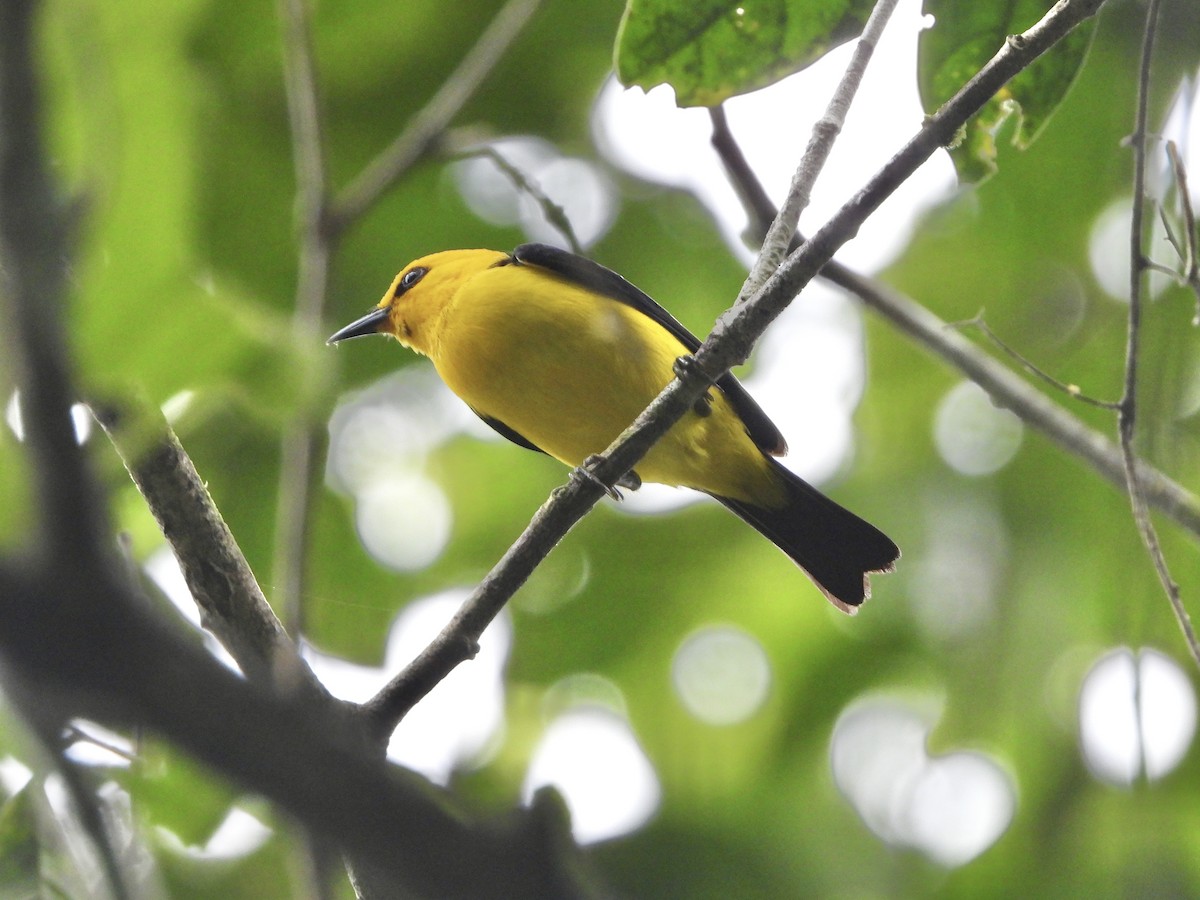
[
  {"x": 964, "y": 37},
  {"x": 711, "y": 50}
]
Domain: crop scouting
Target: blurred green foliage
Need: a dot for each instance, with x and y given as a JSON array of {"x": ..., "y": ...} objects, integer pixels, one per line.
[{"x": 169, "y": 121}]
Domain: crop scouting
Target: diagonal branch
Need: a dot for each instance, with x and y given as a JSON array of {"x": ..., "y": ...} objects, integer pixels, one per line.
[
  {"x": 777, "y": 242},
  {"x": 232, "y": 605},
  {"x": 729, "y": 344},
  {"x": 942, "y": 340},
  {"x": 426, "y": 127}
]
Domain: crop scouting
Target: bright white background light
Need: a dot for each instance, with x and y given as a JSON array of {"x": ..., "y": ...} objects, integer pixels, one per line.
[
  {"x": 461, "y": 718},
  {"x": 591, "y": 755},
  {"x": 1137, "y": 716},
  {"x": 950, "y": 807},
  {"x": 721, "y": 675},
  {"x": 972, "y": 434}
]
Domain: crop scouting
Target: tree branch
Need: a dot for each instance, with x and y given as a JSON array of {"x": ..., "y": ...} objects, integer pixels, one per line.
[
  {"x": 778, "y": 240},
  {"x": 232, "y": 605},
  {"x": 301, "y": 438},
  {"x": 76, "y": 640},
  {"x": 33, "y": 251},
  {"x": 426, "y": 127},
  {"x": 1127, "y": 409},
  {"x": 729, "y": 344},
  {"x": 115, "y": 662},
  {"x": 939, "y": 338}
]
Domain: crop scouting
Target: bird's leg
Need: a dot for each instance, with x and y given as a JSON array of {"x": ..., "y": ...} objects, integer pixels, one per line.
[
  {"x": 685, "y": 367},
  {"x": 630, "y": 480}
]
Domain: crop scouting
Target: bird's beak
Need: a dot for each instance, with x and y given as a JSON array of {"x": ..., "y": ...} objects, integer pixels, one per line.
[{"x": 371, "y": 323}]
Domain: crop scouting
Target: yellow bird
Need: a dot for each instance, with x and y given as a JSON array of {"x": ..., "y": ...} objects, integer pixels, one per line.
[{"x": 560, "y": 355}]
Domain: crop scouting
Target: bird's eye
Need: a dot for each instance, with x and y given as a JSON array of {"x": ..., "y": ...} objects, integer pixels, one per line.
[{"x": 411, "y": 277}]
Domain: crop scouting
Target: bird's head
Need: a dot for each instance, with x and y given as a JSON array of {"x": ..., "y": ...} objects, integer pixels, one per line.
[{"x": 411, "y": 311}]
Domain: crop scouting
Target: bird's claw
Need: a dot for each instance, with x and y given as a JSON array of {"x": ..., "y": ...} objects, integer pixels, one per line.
[
  {"x": 685, "y": 367},
  {"x": 630, "y": 480}
]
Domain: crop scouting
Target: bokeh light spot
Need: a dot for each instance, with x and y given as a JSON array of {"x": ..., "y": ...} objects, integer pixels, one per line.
[
  {"x": 239, "y": 834},
  {"x": 1108, "y": 250},
  {"x": 591, "y": 755},
  {"x": 964, "y": 558},
  {"x": 379, "y": 439},
  {"x": 974, "y": 436},
  {"x": 404, "y": 521},
  {"x": 577, "y": 187},
  {"x": 81, "y": 419},
  {"x": 951, "y": 807},
  {"x": 721, "y": 675},
  {"x": 1137, "y": 716},
  {"x": 435, "y": 738}
]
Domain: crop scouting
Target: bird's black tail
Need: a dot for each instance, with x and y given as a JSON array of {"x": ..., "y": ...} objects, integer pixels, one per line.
[{"x": 836, "y": 548}]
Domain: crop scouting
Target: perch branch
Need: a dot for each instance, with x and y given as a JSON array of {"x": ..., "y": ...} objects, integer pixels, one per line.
[
  {"x": 729, "y": 344},
  {"x": 939, "y": 338}
]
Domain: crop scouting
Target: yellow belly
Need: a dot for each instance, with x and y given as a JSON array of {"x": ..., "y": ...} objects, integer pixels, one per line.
[{"x": 569, "y": 371}]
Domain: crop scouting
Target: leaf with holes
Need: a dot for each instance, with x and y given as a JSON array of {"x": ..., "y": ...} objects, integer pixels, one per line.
[
  {"x": 964, "y": 37},
  {"x": 710, "y": 50}
]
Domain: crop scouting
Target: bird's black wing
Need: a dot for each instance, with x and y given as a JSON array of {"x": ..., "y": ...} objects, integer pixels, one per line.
[
  {"x": 505, "y": 431},
  {"x": 595, "y": 277}
]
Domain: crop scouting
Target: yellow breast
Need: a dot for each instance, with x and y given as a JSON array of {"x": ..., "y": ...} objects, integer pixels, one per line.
[{"x": 569, "y": 369}]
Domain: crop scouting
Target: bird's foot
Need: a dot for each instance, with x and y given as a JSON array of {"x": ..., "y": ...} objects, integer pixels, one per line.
[
  {"x": 685, "y": 367},
  {"x": 630, "y": 480}
]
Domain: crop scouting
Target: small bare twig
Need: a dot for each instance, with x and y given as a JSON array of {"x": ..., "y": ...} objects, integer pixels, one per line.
[
  {"x": 555, "y": 214},
  {"x": 1071, "y": 390},
  {"x": 778, "y": 240},
  {"x": 1127, "y": 409},
  {"x": 426, "y": 127},
  {"x": 1189, "y": 256},
  {"x": 301, "y": 436}
]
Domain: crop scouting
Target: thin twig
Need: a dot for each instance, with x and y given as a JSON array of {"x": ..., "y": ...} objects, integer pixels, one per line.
[
  {"x": 426, "y": 127},
  {"x": 301, "y": 436},
  {"x": 825, "y": 130},
  {"x": 1071, "y": 390},
  {"x": 73, "y": 734},
  {"x": 1127, "y": 412},
  {"x": 555, "y": 214},
  {"x": 1188, "y": 253},
  {"x": 89, "y": 808},
  {"x": 729, "y": 344},
  {"x": 322, "y": 221}
]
